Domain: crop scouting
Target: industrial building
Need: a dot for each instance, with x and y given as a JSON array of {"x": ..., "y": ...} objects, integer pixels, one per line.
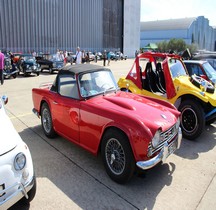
[
  {"x": 194, "y": 30},
  {"x": 48, "y": 25}
]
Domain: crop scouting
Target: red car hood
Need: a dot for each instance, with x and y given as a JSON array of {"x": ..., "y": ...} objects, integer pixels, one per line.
[{"x": 148, "y": 112}]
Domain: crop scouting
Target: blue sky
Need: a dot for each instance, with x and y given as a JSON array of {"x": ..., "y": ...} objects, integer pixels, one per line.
[{"x": 152, "y": 10}]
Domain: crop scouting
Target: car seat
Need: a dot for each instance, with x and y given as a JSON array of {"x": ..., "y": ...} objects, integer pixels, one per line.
[
  {"x": 161, "y": 77},
  {"x": 152, "y": 79}
]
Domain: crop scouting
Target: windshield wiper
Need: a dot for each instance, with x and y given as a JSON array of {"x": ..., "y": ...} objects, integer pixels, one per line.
[{"x": 110, "y": 88}]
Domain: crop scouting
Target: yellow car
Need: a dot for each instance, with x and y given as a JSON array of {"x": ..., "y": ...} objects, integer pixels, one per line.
[{"x": 164, "y": 76}]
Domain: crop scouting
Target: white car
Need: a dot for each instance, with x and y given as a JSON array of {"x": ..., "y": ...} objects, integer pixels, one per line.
[{"x": 17, "y": 178}]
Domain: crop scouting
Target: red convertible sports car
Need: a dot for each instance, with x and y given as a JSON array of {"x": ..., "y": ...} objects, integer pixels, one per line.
[{"x": 85, "y": 106}]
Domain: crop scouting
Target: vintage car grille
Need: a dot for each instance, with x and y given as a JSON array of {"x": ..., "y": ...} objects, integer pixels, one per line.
[{"x": 166, "y": 136}]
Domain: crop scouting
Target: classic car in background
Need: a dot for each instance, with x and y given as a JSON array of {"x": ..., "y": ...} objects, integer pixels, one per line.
[
  {"x": 91, "y": 56},
  {"x": 99, "y": 55},
  {"x": 50, "y": 62},
  {"x": 16, "y": 57},
  {"x": 206, "y": 56},
  {"x": 164, "y": 76},
  {"x": 201, "y": 68},
  {"x": 10, "y": 69},
  {"x": 113, "y": 56},
  {"x": 71, "y": 57},
  {"x": 85, "y": 106},
  {"x": 27, "y": 65},
  {"x": 17, "y": 179},
  {"x": 121, "y": 56}
]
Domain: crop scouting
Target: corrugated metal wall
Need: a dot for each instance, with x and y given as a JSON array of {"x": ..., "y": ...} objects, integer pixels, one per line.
[
  {"x": 47, "y": 25},
  {"x": 113, "y": 23}
]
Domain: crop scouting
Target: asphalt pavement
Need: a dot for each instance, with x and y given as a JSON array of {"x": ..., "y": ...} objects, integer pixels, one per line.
[{"x": 69, "y": 177}]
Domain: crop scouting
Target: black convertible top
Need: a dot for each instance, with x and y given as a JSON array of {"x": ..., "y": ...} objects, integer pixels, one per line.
[{"x": 81, "y": 68}]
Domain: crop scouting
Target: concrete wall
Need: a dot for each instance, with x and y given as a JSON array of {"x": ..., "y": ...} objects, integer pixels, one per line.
[
  {"x": 131, "y": 36},
  {"x": 113, "y": 24}
]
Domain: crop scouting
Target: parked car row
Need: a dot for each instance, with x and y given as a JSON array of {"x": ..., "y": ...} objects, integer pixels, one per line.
[
  {"x": 134, "y": 124},
  {"x": 99, "y": 55},
  {"x": 27, "y": 64}
]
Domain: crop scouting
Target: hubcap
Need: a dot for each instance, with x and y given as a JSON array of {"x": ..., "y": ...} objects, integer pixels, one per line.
[{"x": 189, "y": 120}]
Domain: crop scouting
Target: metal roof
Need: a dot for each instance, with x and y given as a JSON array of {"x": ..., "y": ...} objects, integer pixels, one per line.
[{"x": 171, "y": 24}]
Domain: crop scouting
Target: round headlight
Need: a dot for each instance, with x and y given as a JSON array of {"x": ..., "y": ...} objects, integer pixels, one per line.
[
  {"x": 156, "y": 139},
  {"x": 19, "y": 161}
]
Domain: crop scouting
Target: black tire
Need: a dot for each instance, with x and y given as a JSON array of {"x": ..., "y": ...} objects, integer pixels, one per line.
[
  {"x": 192, "y": 119},
  {"x": 25, "y": 74},
  {"x": 15, "y": 75},
  {"x": 31, "y": 193},
  {"x": 117, "y": 156},
  {"x": 46, "y": 121},
  {"x": 38, "y": 73},
  {"x": 197, "y": 81},
  {"x": 50, "y": 70}
]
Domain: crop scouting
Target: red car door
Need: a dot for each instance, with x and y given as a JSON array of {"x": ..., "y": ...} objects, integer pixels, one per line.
[{"x": 66, "y": 117}]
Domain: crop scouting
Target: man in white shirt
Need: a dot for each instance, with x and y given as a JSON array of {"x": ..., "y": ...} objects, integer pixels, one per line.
[{"x": 78, "y": 56}]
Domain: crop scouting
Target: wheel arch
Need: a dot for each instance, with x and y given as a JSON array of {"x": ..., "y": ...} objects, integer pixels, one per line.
[
  {"x": 189, "y": 97},
  {"x": 111, "y": 129},
  {"x": 41, "y": 104}
]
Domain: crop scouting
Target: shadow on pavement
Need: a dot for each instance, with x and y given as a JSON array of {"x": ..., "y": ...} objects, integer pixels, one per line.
[{"x": 82, "y": 177}]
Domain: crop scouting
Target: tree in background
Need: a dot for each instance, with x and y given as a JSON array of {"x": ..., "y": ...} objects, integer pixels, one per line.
[{"x": 175, "y": 45}]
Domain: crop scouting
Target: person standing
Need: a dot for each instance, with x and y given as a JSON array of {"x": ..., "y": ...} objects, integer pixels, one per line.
[
  {"x": 108, "y": 58},
  {"x": 78, "y": 56},
  {"x": 83, "y": 56},
  {"x": 104, "y": 57},
  {"x": 1, "y": 67},
  {"x": 136, "y": 53},
  {"x": 96, "y": 57}
]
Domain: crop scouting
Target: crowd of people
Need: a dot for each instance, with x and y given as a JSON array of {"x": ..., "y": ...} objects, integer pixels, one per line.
[
  {"x": 79, "y": 57},
  {"x": 82, "y": 56}
]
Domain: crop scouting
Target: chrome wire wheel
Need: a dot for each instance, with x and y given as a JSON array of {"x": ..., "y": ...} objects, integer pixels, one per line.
[
  {"x": 115, "y": 156},
  {"x": 46, "y": 120}
]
